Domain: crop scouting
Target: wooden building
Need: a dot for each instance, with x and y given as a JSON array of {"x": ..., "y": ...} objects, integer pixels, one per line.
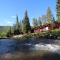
[{"x": 47, "y": 27}]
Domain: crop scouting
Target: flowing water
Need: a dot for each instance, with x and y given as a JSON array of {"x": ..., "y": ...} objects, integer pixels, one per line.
[{"x": 11, "y": 49}]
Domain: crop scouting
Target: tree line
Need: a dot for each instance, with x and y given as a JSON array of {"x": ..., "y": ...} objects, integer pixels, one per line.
[{"x": 24, "y": 26}]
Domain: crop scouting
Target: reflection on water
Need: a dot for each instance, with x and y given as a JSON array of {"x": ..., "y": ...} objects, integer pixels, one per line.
[{"x": 10, "y": 48}]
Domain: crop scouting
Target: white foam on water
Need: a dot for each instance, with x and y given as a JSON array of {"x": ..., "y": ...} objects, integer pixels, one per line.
[{"x": 48, "y": 47}]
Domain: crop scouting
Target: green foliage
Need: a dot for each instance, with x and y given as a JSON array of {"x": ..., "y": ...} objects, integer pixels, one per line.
[
  {"x": 39, "y": 21},
  {"x": 26, "y": 24},
  {"x": 35, "y": 22},
  {"x": 4, "y": 28},
  {"x": 56, "y": 32},
  {"x": 16, "y": 32},
  {"x": 9, "y": 33},
  {"x": 58, "y": 11},
  {"x": 53, "y": 34},
  {"x": 2, "y": 34},
  {"x": 49, "y": 15},
  {"x": 44, "y": 19},
  {"x": 17, "y": 27},
  {"x": 21, "y": 27}
]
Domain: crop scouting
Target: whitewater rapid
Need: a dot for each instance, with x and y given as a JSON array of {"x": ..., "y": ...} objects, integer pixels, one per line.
[{"x": 47, "y": 47}]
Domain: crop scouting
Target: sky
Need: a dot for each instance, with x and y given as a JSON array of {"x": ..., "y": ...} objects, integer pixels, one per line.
[{"x": 35, "y": 8}]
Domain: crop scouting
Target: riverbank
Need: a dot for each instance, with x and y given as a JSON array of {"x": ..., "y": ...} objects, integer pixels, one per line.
[
  {"x": 36, "y": 35},
  {"x": 53, "y": 34}
]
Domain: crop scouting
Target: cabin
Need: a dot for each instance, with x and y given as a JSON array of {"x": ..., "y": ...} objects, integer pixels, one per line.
[{"x": 47, "y": 27}]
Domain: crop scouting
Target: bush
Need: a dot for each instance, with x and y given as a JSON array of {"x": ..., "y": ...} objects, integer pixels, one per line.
[
  {"x": 2, "y": 34},
  {"x": 53, "y": 34}
]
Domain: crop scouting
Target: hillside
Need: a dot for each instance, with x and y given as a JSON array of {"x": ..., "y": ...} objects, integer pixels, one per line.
[{"x": 4, "y": 28}]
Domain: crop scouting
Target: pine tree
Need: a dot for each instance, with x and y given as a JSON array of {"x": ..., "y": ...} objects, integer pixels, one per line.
[
  {"x": 44, "y": 19},
  {"x": 26, "y": 24},
  {"x": 58, "y": 10},
  {"x": 9, "y": 33},
  {"x": 39, "y": 21},
  {"x": 53, "y": 20},
  {"x": 17, "y": 22},
  {"x": 17, "y": 26},
  {"x": 21, "y": 29},
  {"x": 53, "y": 23},
  {"x": 49, "y": 15},
  {"x": 35, "y": 22}
]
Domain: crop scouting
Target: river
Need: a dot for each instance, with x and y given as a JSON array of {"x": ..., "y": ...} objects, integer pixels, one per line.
[{"x": 9, "y": 47}]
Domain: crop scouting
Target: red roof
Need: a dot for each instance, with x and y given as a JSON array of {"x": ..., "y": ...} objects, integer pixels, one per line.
[{"x": 54, "y": 25}]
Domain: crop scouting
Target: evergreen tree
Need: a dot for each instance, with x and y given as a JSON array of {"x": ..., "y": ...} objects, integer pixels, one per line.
[
  {"x": 17, "y": 26},
  {"x": 58, "y": 10},
  {"x": 9, "y": 33},
  {"x": 53, "y": 20},
  {"x": 53, "y": 23},
  {"x": 21, "y": 29},
  {"x": 39, "y": 21},
  {"x": 26, "y": 24},
  {"x": 49, "y": 15},
  {"x": 44, "y": 19},
  {"x": 17, "y": 22},
  {"x": 35, "y": 22}
]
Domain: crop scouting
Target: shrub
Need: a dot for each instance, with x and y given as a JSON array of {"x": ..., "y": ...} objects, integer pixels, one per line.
[
  {"x": 53, "y": 34},
  {"x": 2, "y": 34}
]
